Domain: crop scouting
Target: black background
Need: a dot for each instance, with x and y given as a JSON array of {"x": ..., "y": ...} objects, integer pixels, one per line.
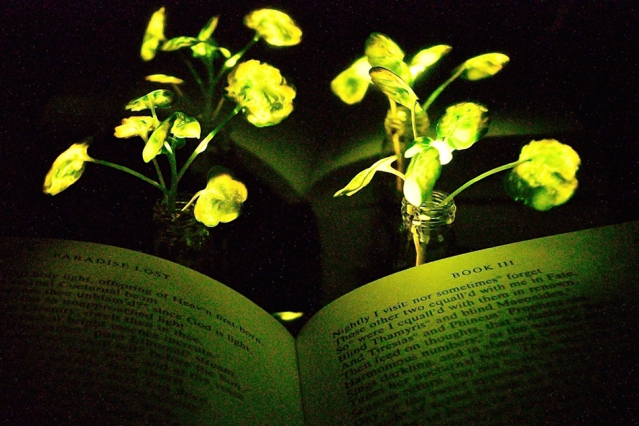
[{"x": 68, "y": 67}]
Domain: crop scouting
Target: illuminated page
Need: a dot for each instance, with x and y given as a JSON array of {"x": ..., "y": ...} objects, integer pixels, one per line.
[
  {"x": 93, "y": 334},
  {"x": 527, "y": 333}
]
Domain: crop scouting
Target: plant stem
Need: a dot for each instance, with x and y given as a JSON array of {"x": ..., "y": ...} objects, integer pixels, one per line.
[
  {"x": 237, "y": 57},
  {"x": 441, "y": 88},
  {"x": 196, "y": 76},
  {"x": 172, "y": 193},
  {"x": 203, "y": 145},
  {"x": 131, "y": 172},
  {"x": 480, "y": 177}
]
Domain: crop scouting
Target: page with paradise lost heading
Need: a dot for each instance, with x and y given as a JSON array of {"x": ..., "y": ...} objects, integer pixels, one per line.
[
  {"x": 533, "y": 332},
  {"x": 93, "y": 334}
]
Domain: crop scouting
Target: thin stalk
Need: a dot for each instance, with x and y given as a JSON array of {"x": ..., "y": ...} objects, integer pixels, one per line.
[
  {"x": 159, "y": 172},
  {"x": 192, "y": 200},
  {"x": 208, "y": 96},
  {"x": 237, "y": 57},
  {"x": 480, "y": 177},
  {"x": 131, "y": 172},
  {"x": 413, "y": 121},
  {"x": 202, "y": 145},
  {"x": 441, "y": 88},
  {"x": 172, "y": 193},
  {"x": 394, "y": 137},
  {"x": 419, "y": 252},
  {"x": 196, "y": 76}
]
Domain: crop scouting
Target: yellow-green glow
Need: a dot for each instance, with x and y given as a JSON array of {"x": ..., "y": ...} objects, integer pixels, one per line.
[
  {"x": 445, "y": 151},
  {"x": 262, "y": 91},
  {"x": 207, "y": 30},
  {"x": 185, "y": 126},
  {"x": 364, "y": 177},
  {"x": 207, "y": 50},
  {"x": 153, "y": 36},
  {"x": 67, "y": 168},
  {"x": 463, "y": 124},
  {"x": 352, "y": 83},
  {"x": 547, "y": 175},
  {"x": 163, "y": 78},
  {"x": 136, "y": 126},
  {"x": 484, "y": 66},
  {"x": 154, "y": 145},
  {"x": 288, "y": 316},
  {"x": 422, "y": 174},
  {"x": 232, "y": 61},
  {"x": 220, "y": 201},
  {"x": 383, "y": 52},
  {"x": 426, "y": 58},
  {"x": 178, "y": 43},
  {"x": 275, "y": 27},
  {"x": 155, "y": 99},
  {"x": 394, "y": 87}
]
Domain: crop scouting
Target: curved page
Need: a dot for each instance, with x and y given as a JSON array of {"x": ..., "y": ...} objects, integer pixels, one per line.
[
  {"x": 543, "y": 330},
  {"x": 93, "y": 334}
]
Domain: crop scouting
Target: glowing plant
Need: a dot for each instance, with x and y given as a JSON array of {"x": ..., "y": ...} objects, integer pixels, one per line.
[
  {"x": 543, "y": 177},
  {"x": 258, "y": 90}
]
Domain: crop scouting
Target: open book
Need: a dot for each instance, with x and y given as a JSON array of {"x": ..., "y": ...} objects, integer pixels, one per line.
[{"x": 542, "y": 330}]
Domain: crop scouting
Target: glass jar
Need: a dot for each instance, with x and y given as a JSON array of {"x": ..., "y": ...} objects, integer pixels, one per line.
[
  {"x": 179, "y": 237},
  {"x": 427, "y": 231}
]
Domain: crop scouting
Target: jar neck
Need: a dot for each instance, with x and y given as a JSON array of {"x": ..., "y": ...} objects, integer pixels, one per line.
[{"x": 430, "y": 215}]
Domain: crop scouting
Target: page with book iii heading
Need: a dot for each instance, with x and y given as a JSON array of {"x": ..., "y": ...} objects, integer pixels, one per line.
[
  {"x": 528, "y": 333},
  {"x": 93, "y": 334}
]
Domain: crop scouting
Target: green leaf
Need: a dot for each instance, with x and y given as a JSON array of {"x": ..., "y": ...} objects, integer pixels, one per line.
[
  {"x": 394, "y": 87},
  {"x": 422, "y": 174},
  {"x": 364, "y": 177},
  {"x": 178, "y": 43},
  {"x": 463, "y": 124},
  {"x": 156, "y": 99},
  {"x": 546, "y": 175},
  {"x": 185, "y": 126},
  {"x": 155, "y": 143},
  {"x": 383, "y": 52},
  {"x": 426, "y": 58},
  {"x": 207, "y": 30},
  {"x": 483, "y": 66},
  {"x": 417, "y": 146}
]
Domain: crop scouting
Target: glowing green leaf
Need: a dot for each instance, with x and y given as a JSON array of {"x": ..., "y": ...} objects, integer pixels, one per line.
[
  {"x": 463, "y": 124},
  {"x": 426, "y": 58},
  {"x": 393, "y": 87},
  {"x": 364, "y": 177},
  {"x": 288, "y": 315},
  {"x": 207, "y": 30},
  {"x": 547, "y": 176},
  {"x": 262, "y": 91},
  {"x": 163, "y": 78},
  {"x": 178, "y": 43},
  {"x": 417, "y": 146},
  {"x": 153, "y": 35},
  {"x": 483, "y": 66},
  {"x": 67, "y": 168},
  {"x": 275, "y": 27},
  {"x": 185, "y": 126},
  {"x": 156, "y": 99},
  {"x": 135, "y": 126},
  {"x": 220, "y": 201},
  {"x": 383, "y": 52},
  {"x": 155, "y": 143},
  {"x": 422, "y": 174},
  {"x": 352, "y": 83}
]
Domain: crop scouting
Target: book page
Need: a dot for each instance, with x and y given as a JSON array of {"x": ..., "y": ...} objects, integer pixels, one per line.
[
  {"x": 533, "y": 332},
  {"x": 93, "y": 334}
]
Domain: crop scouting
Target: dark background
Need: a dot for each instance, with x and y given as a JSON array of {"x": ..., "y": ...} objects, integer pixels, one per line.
[{"x": 68, "y": 67}]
